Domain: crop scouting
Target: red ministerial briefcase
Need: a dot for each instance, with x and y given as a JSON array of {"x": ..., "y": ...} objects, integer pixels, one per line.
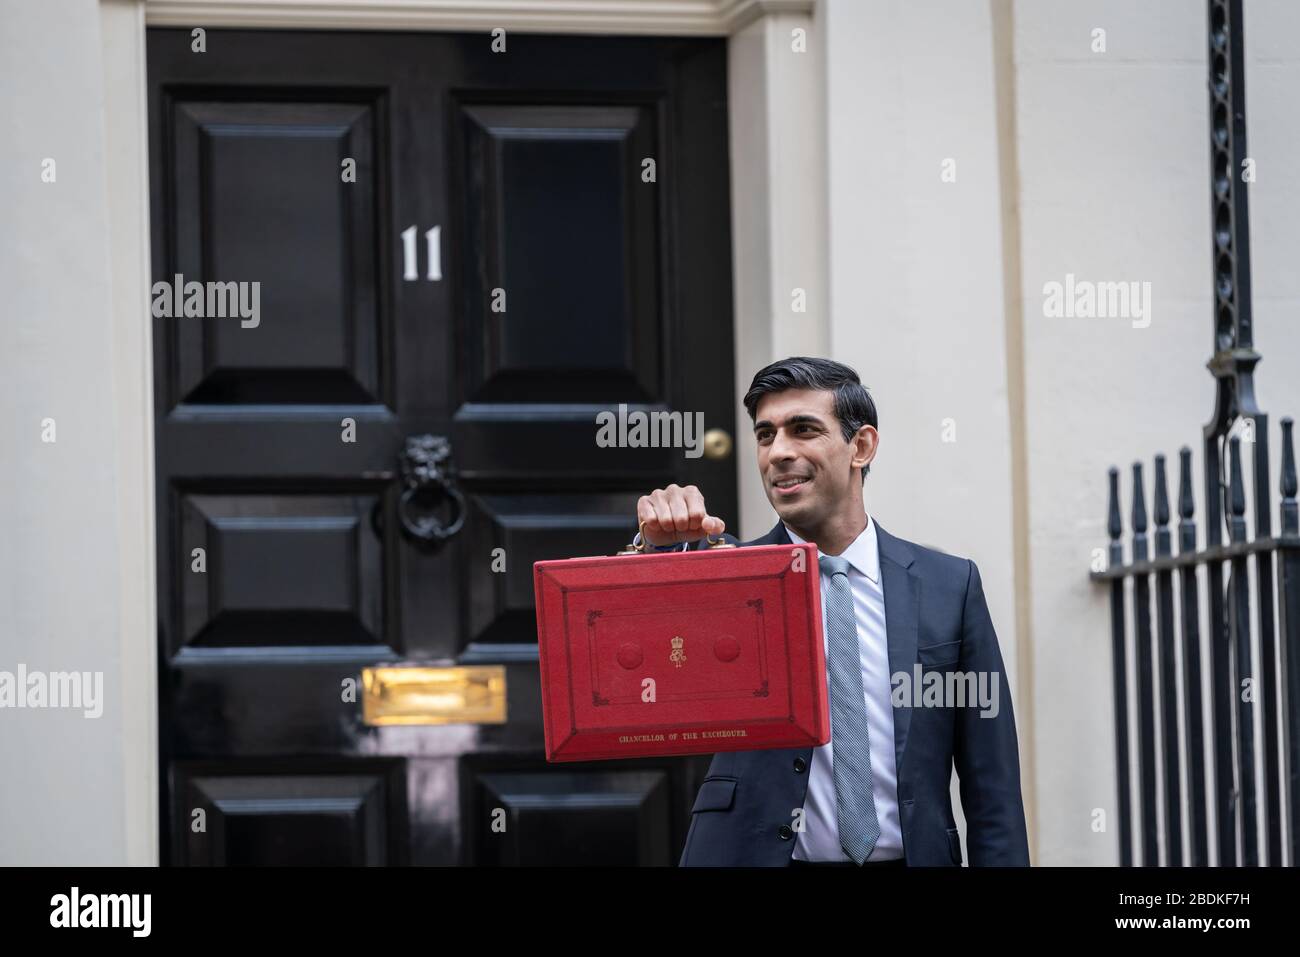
[{"x": 681, "y": 653}]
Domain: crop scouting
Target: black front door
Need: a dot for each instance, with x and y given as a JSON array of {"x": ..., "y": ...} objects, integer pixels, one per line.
[{"x": 462, "y": 256}]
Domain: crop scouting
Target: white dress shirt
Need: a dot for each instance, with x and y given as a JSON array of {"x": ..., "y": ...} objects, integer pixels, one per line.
[{"x": 820, "y": 838}]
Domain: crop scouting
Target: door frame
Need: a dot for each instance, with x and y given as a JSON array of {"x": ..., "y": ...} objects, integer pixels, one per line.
[{"x": 776, "y": 108}]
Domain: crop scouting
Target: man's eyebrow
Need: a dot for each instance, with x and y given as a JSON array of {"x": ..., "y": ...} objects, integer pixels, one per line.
[{"x": 801, "y": 418}]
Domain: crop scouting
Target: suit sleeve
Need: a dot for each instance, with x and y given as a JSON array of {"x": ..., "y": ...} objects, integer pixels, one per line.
[{"x": 986, "y": 751}]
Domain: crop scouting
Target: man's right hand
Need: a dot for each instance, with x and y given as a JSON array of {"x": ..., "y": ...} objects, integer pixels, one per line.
[{"x": 675, "y": 514}]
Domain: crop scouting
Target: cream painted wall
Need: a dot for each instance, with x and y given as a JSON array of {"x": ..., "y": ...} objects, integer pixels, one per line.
[
  {"x": 76, "y": 573},
  {"x": 1272, "y": 81}
]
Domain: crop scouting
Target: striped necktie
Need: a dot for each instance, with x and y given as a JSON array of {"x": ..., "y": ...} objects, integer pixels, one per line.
[{"x": 850, "y": 741}]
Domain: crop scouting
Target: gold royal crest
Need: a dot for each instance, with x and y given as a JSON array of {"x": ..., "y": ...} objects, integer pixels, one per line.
[{"x": 678, "y": 657}]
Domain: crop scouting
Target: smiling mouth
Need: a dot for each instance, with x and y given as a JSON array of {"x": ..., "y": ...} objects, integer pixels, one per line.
[{"x": 789, "y": 485}]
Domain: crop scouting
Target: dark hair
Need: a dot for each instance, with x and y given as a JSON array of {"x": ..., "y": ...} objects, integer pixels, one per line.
[{"x": 853, "y": 405}]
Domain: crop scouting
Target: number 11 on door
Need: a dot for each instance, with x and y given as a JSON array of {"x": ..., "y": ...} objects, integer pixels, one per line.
[{"x": 410, "y": 255}]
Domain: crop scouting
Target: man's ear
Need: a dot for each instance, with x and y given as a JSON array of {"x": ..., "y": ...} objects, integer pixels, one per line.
[{"x": 866, "y": 443}]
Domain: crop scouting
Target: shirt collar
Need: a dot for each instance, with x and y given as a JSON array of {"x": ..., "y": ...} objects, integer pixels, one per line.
[{"x": 863, "y": 554}]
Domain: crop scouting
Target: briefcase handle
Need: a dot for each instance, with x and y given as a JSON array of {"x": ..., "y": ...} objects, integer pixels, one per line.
[{"x": 641, "y": 549}]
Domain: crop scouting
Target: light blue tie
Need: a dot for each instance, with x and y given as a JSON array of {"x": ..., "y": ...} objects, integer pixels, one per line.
[{"x": 850, "y": 741}]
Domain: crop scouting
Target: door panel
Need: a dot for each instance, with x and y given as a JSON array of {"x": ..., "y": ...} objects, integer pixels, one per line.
[
  {"x": 290, "y": 816},
  {"x": 497, "y": 273},
  {"x": 257, "y": 194},
  {"x": 557, "y": 217},
  {"x": 254, "y": 594},
  {"x": 597, "y": 817}
]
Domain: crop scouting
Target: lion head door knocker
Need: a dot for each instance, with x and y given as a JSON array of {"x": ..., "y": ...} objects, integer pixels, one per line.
[{"x": 428, "y": 489}]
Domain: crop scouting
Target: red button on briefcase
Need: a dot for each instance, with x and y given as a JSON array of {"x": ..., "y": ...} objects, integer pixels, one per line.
[{"x": 681, "y": 653}]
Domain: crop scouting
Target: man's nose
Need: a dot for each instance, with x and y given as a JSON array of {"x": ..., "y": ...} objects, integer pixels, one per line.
[{"x": 782, "y": 448}]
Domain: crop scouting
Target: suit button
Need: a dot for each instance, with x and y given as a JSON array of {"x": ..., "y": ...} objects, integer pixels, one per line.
[
  {"x": 800, "y": 766},
  {"x": 785, "y": 832}
]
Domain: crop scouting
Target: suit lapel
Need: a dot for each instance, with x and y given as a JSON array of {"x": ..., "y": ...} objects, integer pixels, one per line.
[{"x": 902, "y": 590}]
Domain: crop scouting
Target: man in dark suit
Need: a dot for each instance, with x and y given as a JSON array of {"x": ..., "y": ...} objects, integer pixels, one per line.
[{"x": 877, "y": 794}]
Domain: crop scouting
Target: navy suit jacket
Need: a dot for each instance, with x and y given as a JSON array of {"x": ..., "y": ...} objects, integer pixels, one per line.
[{"x": 935, "y": 614}]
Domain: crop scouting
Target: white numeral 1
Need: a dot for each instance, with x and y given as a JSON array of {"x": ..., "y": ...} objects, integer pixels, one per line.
[
  {"x": 408, "y": 252},
  {"x": 410, "y": 268},
  {"x": 433, "y": 239}
]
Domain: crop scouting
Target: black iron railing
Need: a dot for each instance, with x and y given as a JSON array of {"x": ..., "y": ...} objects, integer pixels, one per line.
[
  {"x": 1238, "y": 696},
  {"x": 1169, "y": 581}
]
